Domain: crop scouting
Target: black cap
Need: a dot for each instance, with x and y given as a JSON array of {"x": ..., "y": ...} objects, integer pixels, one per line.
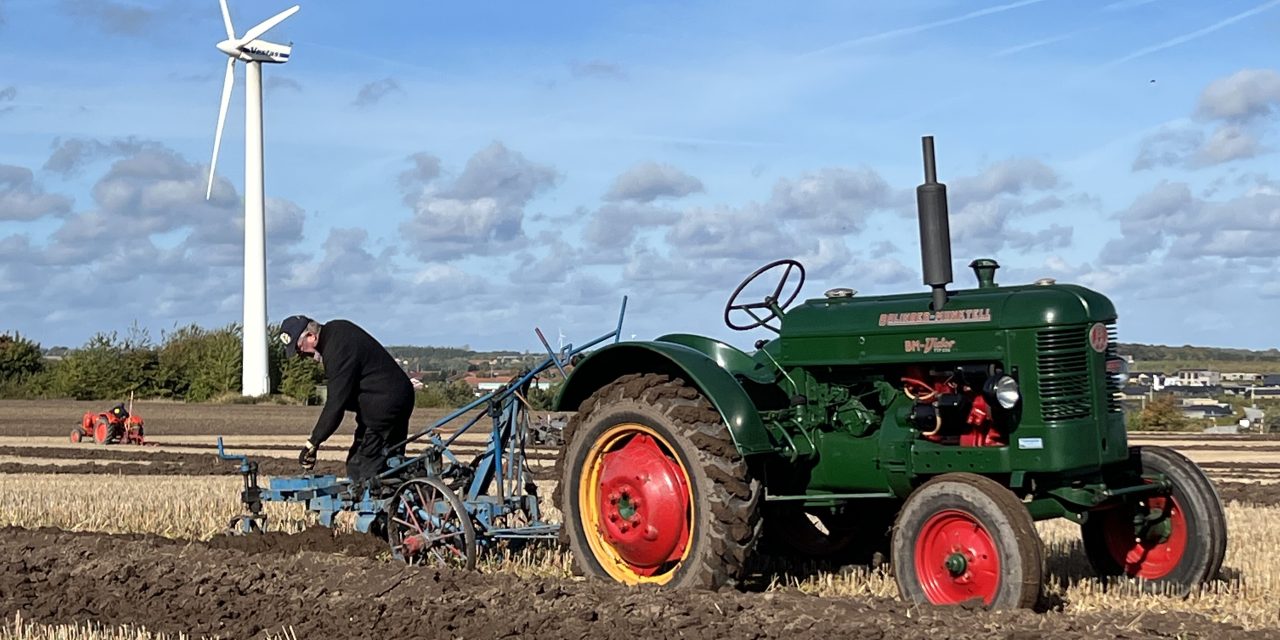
[{"x": 290, "y": 330}]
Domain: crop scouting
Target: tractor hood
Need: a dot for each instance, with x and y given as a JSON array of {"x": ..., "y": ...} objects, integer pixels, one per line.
[{"x": 986, "y": 309}]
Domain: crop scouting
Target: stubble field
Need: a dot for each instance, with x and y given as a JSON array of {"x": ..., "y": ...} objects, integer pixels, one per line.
[{"x": 127, "y": 538}]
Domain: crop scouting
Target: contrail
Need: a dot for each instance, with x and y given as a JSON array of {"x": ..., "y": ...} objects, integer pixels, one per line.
[
  {"x": 886, "y": 35},
  {"x": 1187, "y": 37},
  {"x": 1032, "y": 45}
]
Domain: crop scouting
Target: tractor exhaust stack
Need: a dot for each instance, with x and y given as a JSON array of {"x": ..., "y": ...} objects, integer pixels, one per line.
[{"x": 935, "y": 231}]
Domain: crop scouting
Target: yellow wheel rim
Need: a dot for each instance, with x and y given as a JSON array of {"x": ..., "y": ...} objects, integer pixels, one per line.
[{"x": 635, "y": 499}]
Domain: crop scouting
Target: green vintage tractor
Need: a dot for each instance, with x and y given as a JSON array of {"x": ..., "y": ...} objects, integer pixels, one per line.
[{"x": 933, "y": 427}]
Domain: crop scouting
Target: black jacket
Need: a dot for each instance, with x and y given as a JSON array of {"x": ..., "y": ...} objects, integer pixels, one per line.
[{"x": 362, "y": 377}]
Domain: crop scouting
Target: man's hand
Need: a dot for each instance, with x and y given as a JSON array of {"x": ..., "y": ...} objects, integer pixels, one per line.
[{"x": 307, "y": 457}]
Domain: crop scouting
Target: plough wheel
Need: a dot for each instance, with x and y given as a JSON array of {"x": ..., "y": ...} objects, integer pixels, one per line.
[
  {"x": 962, "y": 537},
  {"x": 1173, "y": 541},
  {"x": 653, "y": 490},
  {"x": 427, "y": 524}
]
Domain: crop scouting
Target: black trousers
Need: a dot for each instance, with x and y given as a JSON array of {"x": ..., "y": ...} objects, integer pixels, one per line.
[{"x": 372, "y": 445}]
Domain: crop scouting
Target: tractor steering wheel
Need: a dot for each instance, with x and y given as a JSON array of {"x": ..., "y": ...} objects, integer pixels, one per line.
[{"x": 773, "y": 304}]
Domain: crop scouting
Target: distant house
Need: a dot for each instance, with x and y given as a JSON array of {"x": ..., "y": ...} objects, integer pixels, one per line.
[
  {"x": 1271, "y": 380},
  {"x": 485, "y": 384},
  {"x": 1134, "y": 392},
  {"x": 1254, "y": 419},
  {"x": 1224, "y": 429},
  {"x": 1207, "y": 411},
  {"x": 1185, "y": 391},
  {"x": 1196, "y": 378},
  {"x": 1250, "y": 378}
]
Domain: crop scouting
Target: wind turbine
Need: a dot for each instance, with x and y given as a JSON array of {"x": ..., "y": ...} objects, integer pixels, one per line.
[{"x": 255, "y": 380}]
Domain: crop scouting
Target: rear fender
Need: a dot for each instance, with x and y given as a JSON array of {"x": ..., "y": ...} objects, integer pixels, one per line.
[{"x": 678, "y": 361}]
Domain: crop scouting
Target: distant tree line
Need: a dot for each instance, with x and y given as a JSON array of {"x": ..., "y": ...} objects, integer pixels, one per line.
[
  {"x": 1152, "y": 352},
  {"x": 192, "y": 364}
]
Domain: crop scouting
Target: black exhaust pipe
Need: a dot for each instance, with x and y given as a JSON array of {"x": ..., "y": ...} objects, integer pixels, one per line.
[{"x": 935, "y": 232}]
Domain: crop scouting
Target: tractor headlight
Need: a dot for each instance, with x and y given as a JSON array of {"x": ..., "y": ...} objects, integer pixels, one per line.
[{"x": 1003, "y": 389}]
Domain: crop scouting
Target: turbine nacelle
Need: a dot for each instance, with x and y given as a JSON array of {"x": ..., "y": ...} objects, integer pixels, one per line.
[
  {"x": 247, "y": 48},
  {"x": 256, "y": 50}
]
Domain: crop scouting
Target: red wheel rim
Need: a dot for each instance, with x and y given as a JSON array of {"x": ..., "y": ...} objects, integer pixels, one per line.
[
  {"x": 1152, "y": 554},
  {"x": 957, "y": 559},
  {"x": 642, "y": 503},
  {"x": 100, "y": 433}
]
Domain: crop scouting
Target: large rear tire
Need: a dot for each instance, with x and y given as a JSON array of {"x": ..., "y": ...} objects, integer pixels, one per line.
[
  {"x": 1181, "y": 539},
  {"x": 653, "y": 490},
  {"x": 104, "y": 432},
  {"x": 963, "y": 537}
]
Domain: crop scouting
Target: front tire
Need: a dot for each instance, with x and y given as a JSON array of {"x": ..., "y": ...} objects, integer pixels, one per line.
[
  {"x": 1183, "y": 538},
  {"x": 653, "y": 490},
  {"x": 962, "y": 537}
]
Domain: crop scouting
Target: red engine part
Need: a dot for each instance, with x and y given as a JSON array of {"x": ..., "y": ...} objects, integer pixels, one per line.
[{"x": 978, "y": 429}]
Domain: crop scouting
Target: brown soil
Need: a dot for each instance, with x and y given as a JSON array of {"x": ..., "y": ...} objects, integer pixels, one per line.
[
  {"x": 159, "y": 462},
  {"x": 57, "y": 417},
  {"x": 1249, "y": 493},
  {"x": 53, "y": 576},
  {"x": 316, "y": 539}
]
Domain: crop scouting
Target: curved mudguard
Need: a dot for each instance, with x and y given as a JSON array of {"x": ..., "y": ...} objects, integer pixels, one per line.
[{"x": 678, "y": 361}]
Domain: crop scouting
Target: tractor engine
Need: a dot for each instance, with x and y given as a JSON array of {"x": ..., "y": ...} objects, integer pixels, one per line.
[{"x": 957, "y": 404}]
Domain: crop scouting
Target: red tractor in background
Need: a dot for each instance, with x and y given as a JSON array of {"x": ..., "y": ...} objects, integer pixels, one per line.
[{"x": 116, "y": 426}]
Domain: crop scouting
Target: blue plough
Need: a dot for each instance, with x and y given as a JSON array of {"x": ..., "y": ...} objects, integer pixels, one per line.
[{"x": 432, "y": 507}]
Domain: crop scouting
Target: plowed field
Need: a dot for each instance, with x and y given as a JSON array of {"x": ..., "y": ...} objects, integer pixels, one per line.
[{"x": 314, "y": 585}]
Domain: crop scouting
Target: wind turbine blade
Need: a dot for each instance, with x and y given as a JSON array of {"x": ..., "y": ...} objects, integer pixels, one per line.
[
  {"x": 222, "y": 118},
  {"x": 265, "y": 25},
  {"x": 226, "y": 21}
]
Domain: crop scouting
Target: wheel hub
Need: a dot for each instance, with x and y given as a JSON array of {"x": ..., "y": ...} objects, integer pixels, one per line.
[
  {"x": 1149, "y": 538},
  {"x": 956, "y": 559},
  {"x": 957, "y": 564},
  {"x": 644, "y": 504}
]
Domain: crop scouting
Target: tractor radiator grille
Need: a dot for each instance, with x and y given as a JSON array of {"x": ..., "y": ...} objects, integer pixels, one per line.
[
  {"x": 1114, "y": 387},
  {"x": 1063, "y": 360}
]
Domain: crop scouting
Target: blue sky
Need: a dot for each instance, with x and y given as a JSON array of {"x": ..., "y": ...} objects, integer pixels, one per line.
[{"x": 445, "y": 173}]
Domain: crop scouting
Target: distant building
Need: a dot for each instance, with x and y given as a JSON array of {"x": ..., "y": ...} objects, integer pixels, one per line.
[
  {"x": 1192, "y": 391},
  {"x": 1224, "y": 429},
  {"x": 1271, "y": 380},
  {"x": 1255, "y": 419},
  {"x": 1207, "y": 411},
  {"x": 1250, "y": 378},
  {"x": 1196, "y": 378},
  {"x": 486, "y": 384}
]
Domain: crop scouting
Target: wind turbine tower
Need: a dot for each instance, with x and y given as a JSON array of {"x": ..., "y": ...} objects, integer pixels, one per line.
[{"x": 253, "y": 52}]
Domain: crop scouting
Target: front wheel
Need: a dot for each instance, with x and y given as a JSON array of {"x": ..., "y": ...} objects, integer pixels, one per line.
[
  {"x": 653, "y": 490},
  {"x": 1173, "y": 541},
  {"x": 962, "y": 537}
]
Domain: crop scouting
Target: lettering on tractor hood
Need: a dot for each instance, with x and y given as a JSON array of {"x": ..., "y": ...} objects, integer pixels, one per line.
[{"x": 946, "y": 316}]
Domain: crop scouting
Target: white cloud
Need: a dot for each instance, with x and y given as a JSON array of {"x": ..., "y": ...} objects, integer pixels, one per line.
[
  {"x": 1241, "y": 96},
  {"x": 22, "y": 199},
  {"x": 479, "y": 213},
  {"x": 649, "y": 181},
  {"x": 1238, "y": 106}
]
